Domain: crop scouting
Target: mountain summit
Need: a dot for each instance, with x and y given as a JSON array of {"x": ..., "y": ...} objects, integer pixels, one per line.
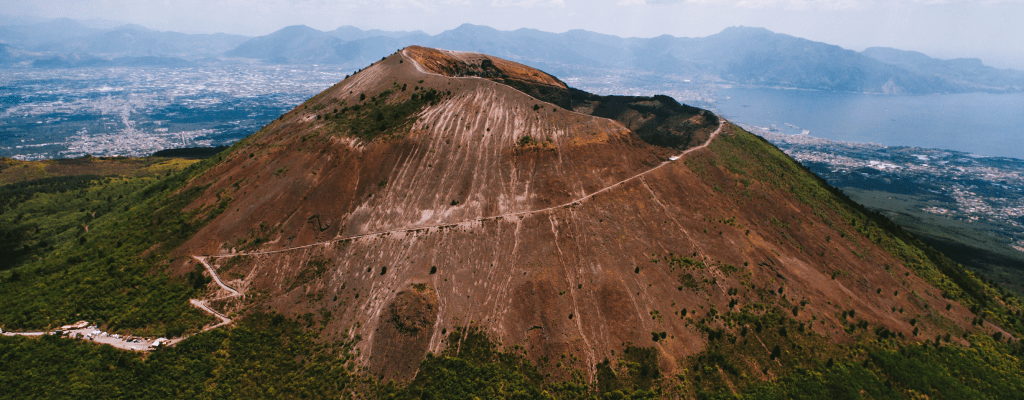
[{"x": 436, "y": 191}]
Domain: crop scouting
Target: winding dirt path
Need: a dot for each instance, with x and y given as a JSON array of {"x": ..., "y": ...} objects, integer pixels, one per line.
[
  {"x": 216, "y": 278},
  {"x": 205, "y": 306},
  {"x": 672, "y": 159},
  {"x": 144, "y": 344}
]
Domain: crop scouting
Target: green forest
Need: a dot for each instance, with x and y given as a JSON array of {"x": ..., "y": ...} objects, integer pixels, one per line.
[
  {"x": 85, "y": 248},
  {"x": 270, "y": 356}
]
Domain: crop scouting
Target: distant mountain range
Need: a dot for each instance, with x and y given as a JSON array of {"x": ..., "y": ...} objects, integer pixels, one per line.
[
  {"x": 69, "y": 36},
  {"x": 737, "y": 55},
  {"x": 962, "y": 72}
]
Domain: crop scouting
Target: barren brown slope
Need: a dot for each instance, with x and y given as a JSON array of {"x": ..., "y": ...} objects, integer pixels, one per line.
[
  {"x": 462, "y": 63},
  {"x": 402, "y": 232}
]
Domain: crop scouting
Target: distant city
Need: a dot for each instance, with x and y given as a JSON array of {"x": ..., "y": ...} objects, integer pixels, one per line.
[
  {"x": 980, "y": 187},
  {"x": 68, "y": 113}
]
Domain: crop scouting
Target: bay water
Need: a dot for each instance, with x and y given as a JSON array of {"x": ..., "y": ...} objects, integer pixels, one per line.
[{"x": 986, "y": 124}]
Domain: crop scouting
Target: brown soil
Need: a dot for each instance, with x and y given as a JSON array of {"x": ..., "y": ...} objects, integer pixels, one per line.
[
  {"x": 458, "y": 194},
  {"x": 460, "y": 63},
  {"x": 404, "y": 335}
]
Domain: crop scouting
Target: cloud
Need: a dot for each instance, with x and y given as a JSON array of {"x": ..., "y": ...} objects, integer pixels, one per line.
[
  {"x": 527, "y": 3},
  {"x": 700, "y": 2},
  {"x": 982, "y": 2},
  {"x": 418, "y": 4},
  {"x": 669, "y": 2},
  {"x": 801, "y": 4},
  {"x": 818, "y": 4}
]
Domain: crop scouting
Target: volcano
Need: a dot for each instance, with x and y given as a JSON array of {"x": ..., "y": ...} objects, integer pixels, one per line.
[{"x": 436, "y": 191}]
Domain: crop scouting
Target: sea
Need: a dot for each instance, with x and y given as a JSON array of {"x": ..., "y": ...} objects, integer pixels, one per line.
[{"x": 984, "y": 124}]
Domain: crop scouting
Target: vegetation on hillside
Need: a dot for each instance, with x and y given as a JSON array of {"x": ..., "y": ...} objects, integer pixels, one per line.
[
  {"x": 774, "y": 356},
  {"x": 270, "y": 356},
  {"x": 385, "y": 114},
  {"x": 93, "y": 248},
  {"x": 37, "y": 214},
  {"x": 746, "y": 157},
  {"x": 264, "y": 356},
  {"x": 14, "y": 171}
]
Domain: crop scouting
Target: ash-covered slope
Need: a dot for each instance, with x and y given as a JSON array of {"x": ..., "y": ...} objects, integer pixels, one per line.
[{"x": 435, "y": 190}]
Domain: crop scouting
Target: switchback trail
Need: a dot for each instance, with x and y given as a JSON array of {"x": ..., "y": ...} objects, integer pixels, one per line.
[
  {"x": 216, "y": 278},
  {"x": 203, "y": 305},
  {"x": 128, "y": 343}
]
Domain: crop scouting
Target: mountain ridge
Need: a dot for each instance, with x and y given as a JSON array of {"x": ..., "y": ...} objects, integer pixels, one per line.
[
  {"x": 968, "y": 72},
  {"x": 751, "y": 56},
  {"x": 67, "y": 36},
  {"x": 736, "y": 55}
]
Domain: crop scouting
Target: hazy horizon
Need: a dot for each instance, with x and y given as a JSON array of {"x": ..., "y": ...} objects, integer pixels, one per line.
[{"x": 939, "y": 28}]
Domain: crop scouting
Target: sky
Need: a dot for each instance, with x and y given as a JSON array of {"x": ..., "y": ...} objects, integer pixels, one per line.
[{"x": 986, "y": 29}]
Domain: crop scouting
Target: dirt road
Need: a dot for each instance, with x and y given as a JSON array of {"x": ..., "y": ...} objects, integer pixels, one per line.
[
  {"x": 216, "y": 278},
  {"x": 144, "y": 343},
  {"x": 672, "y": 159}
]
